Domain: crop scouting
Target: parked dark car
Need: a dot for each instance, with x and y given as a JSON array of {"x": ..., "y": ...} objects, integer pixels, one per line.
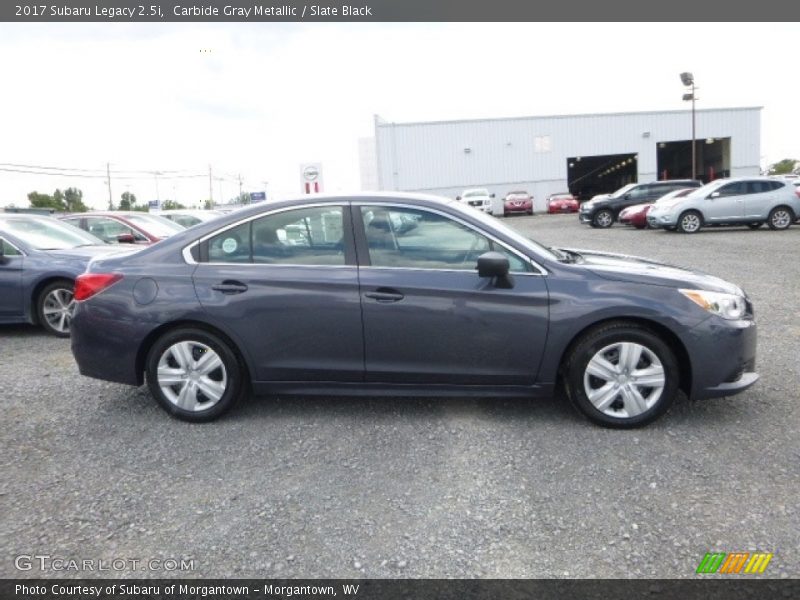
[
  {"x": 40, "y": 257},
  {"x": 603, "y": 210},
  {"x": 125, "y": 227},
  {"x": 460, "y": 304}
]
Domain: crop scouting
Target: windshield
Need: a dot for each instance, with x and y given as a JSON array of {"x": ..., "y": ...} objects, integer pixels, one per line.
[
  {"x": 157, "y": 226},
  {"x": 46, "y": 233},
  {"x": 470, "y": 193},
  {"x": 498, "y": 225},
  {"x": 623, "y": 190},
  {"x": 675, "y": 194}
]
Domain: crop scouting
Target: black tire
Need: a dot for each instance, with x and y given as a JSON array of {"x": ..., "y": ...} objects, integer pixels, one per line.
[
  {"x": 56, "y": 296},
  {"x": 690, "y": 221},
  {"x": 228, "y": 376},
  {"x": 780, "y": 218},
  {"x": 603, "y": 219},
  {"x": 602, "y": 341},
  {"x": 755, "y": 225}
]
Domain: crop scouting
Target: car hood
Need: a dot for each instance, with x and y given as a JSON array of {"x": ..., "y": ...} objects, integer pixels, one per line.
[{"x": 635, "y": 269}]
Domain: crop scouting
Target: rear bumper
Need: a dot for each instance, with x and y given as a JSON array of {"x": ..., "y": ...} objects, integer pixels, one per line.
[{"x": 104, "y": 349}]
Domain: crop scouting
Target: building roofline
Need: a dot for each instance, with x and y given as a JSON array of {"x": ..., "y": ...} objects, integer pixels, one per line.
[{"x": 381, "y": 122}]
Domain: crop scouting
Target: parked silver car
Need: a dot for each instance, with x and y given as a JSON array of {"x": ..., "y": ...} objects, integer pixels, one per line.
[{"x": 750, "y": 201}]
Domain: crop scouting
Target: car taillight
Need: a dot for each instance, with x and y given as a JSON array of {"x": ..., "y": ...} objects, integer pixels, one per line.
[
  {"x": 797, "y": 192},
  {"x": 89, "y": 284}
]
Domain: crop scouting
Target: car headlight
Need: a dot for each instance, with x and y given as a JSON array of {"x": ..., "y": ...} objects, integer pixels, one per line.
[{"x": 727, "y": 306}]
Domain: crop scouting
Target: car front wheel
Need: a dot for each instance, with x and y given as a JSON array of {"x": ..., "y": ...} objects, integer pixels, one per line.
[
  {"x": 603, "y": 219},
  {"x": 55, "y": 307},
  {"x": 193, "y": 374},
  {"x": 780, "y": 217},
  {"x": 621, "y": 375},
  {"x": 690, "y": 222}
]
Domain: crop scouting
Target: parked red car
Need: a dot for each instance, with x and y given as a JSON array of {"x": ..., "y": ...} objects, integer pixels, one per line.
[
  {"x": 125, "y": 227},
  {"x": 636, "y": 215},
  {"x": 561, "y": 203},
  {"x": 517, "y": 202}
]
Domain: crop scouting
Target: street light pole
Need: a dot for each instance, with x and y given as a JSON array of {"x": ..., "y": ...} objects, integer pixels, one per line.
[{"x": 688, "y": 80}]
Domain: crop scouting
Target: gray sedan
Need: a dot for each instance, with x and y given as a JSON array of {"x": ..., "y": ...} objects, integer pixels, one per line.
[
  {"x": 328, "y": 295},
  {"x": 40, "y": 257}
]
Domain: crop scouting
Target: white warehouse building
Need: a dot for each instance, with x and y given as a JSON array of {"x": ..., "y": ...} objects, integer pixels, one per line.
[{"x": 582, "y": 154}]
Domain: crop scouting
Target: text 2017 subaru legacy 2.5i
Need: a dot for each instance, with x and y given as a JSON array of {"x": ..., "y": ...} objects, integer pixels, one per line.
[{"x": 327, "y": 295}]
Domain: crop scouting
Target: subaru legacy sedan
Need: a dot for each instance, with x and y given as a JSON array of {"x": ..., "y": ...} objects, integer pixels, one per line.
[{"x": 327, "y": 295}]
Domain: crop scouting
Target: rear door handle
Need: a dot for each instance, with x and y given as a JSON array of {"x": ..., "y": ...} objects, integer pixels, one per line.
[
  {"x": 385, "y": 295},
  {"x": 230, "y": 287}
]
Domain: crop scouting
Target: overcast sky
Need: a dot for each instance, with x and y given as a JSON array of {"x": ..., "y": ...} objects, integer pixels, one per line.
[{"x": 260, "y": 99}]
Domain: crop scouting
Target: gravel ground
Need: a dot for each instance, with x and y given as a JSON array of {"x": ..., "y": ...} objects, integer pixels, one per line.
[{"x": 319, "y": 487}]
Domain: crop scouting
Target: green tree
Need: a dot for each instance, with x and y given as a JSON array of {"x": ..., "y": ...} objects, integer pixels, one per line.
[
  {"x": 38, "y": 200},
  {"x": 243, "y": 198},
  {"x": 171, "y": 205},
  {"x": 128, "y": 201},
  {"x": 208, "y": 204},
  {"x": 783, "y": 167},
  {"x": 73, "y": 200}
]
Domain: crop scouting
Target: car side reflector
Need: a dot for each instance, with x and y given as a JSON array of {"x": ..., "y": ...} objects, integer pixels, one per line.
[{"x": 90, "y": 284}]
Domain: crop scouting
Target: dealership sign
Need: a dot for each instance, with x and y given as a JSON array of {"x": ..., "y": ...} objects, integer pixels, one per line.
[{"x": 311, "y": 178}]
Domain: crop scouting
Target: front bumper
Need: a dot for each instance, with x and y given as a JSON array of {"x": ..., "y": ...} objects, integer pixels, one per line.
[
  {"x": 518, "y": 208},
  {"x": 723, "y": 357},
  {"x": 662, "y": 220}
]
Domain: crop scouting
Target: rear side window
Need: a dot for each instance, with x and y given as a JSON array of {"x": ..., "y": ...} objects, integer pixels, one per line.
[
  {"x": 734, "y": 189},
  {"x": 308, "y": 236}
]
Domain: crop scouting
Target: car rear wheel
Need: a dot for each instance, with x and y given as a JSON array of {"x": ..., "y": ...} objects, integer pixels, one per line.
[
  {"x": 690, "y": 222},
  {"x": 755, "y": 225},
  {"x": 55, "y": 307},
  {"x": 780, "y": 217},
  {"x": 621, "y": 375},
  {"x": 193, "y": 374},
  {"x": 603, "y": 219}
]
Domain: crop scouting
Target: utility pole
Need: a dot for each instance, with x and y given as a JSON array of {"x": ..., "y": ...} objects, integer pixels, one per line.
[
  {"x": 210, "y": 186},
  {"x": 240, "y": 187},
  {"x": 108, "y": 181}
]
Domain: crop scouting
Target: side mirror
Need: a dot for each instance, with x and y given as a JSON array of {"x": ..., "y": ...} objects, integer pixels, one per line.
[
  {"x": 714, "y": 195},
  {"x": 458, "y": 197},
  {"x": 495, "y": 265},
  {"x": 491, "y": 195},
  {"x": 126, "y": 238}
]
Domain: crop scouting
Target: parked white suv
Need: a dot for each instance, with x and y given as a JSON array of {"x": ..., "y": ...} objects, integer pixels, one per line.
[
  {"x": 479, "y": 198},
  {"x": 750, "y": 201}
]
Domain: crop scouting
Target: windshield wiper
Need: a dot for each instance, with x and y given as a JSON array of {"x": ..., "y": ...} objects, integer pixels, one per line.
[{"x": 567, "y": 256}]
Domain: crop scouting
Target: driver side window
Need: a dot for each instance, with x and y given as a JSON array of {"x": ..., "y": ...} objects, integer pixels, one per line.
[{"x": 418, "y": 239}]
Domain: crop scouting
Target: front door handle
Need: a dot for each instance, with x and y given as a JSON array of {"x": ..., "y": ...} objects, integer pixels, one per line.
[
  {"x": 385, "y": 295},
  {"x": 230, "y": 287}
]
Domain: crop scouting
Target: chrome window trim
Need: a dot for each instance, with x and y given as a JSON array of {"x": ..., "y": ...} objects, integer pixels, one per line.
[
  {"x": 189, "y": 259},
  {"x": 17, "y": 248},
  {"x": 524, "y": 258},
  {"x": 187, "y": 250}
]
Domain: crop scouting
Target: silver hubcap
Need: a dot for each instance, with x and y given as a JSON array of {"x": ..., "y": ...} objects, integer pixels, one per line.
[
  {"x": 192, "y": 376},
  {"x": 624, "y": 380},
  {"x": 604, "y": 219},
  {"x": 781, "y": 219},
  {"x": 690, "y": 223},
  {"x": 58, "y": 308}
]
